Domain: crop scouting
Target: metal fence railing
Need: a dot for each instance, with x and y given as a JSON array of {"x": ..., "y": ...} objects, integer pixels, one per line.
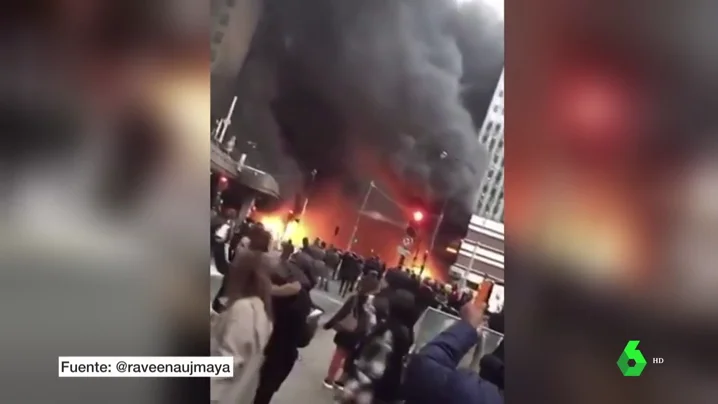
[{"x": 433, "y": 322}]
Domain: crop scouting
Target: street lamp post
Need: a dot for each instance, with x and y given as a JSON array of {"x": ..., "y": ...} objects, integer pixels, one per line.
[
  {"x": 306, "y": 200},
  {"x": 434, "y": 234},
  {"x": 361, "y": 209}
]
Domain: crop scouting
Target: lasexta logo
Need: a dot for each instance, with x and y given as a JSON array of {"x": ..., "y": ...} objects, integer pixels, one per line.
[{"x": 631, "y": 362}]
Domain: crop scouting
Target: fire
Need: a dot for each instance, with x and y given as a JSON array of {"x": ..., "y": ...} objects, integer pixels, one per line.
[
  {"x": 274, "y": 225},
  {"x": 371, "y": 236},
  {"x": 281, "y": 230}
]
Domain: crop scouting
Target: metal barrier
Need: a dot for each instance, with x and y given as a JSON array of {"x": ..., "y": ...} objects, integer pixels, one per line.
[{"x": 433, "y": 322}]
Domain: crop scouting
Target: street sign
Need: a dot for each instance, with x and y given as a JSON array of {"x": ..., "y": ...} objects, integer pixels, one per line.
[
  {"x": 403, "y": 251},
  {"x": 407, "y": 241}
]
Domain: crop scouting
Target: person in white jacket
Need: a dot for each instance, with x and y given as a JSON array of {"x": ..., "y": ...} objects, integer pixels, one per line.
[{"x": 243, "y": 329}]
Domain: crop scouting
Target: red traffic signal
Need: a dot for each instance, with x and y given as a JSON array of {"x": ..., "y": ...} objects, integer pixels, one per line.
[{"x": 418, "y": 216}]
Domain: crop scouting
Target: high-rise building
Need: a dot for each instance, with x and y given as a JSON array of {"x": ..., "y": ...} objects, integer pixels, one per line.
[
  {"x": 480, "y": 257},
  {"x": 233, "y": 25},
  {"x": 491, "y": 135}
]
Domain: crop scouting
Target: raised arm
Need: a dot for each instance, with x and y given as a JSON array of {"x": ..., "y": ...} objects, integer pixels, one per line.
[
  {"x": 432, "y": 375},
  {"x": 450, "y": 346}
]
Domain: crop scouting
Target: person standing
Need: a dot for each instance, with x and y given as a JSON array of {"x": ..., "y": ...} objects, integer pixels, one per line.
[
  {"x": 350, "y": 272},
  {"x": 352, "y": 322},
  {"x": 242, "y": 330},
  {"x": 237, "y": 232},
  {"x": 322, "y": 268},
  {"x": 220, "y": 227},
  {"x": 331, "y": 260},
  {"x": 287, "y": 249},
  {"x": 379, "y": 362},
  {"x": 344, "y": 269},
  {"x": 292, "y": 304}
]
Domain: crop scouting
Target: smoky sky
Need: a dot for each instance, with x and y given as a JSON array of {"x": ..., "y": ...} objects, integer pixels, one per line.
[{"x": 409, "y": 80}]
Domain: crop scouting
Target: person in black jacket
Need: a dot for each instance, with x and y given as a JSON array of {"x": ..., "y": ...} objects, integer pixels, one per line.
[
  {"x": 349, "y": 273},
  {"x": 331, "y": 260},
  {"x": 290, "y": 314}
]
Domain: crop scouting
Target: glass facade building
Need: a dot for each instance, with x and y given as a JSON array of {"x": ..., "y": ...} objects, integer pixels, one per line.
[
  {"x": 480, "y": 257},
  {"x": 491, "y": 135}
]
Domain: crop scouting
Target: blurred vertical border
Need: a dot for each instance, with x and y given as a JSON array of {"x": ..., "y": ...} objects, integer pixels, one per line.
[
  {"x": 105, "y": 112},
  {"x": 611, "y": 199}
]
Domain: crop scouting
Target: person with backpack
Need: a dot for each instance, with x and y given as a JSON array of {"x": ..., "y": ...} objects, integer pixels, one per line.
[
  {"x": 353, "y": 320},
  {"x": 376, "y": 374},
  {"x": 293, "y": 328}
]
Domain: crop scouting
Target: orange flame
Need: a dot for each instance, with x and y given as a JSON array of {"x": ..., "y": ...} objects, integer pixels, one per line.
[
  {"x": 281, "y": 230},
  {"x": 321, "y": 222}
]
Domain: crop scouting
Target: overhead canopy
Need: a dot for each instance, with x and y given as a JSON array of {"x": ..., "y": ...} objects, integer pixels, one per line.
[
  {"x": 258, "y": 181},
  {"x": 249, "y": 177}
]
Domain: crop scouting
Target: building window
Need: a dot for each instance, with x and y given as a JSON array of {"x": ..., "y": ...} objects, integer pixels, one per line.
[
  {"x": 501, "y": 93},
  {"x": 217, "y": 37},
  {"x": 489, "y": 126},
  {"x": 492, "y": 144},
  {"x": 501, "y": 143},
  {"x": 496, "y": 109},
  {"x": 498, "y": 127}
]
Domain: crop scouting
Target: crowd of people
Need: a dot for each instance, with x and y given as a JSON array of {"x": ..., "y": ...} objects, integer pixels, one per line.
[{"x": 263, "y": 314}]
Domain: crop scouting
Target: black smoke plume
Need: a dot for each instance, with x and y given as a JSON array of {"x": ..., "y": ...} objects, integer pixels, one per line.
[{"x": 385, "y": 75}]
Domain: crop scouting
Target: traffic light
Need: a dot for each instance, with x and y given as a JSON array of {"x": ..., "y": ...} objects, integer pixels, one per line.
[{"x": 418, "y": 216}]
